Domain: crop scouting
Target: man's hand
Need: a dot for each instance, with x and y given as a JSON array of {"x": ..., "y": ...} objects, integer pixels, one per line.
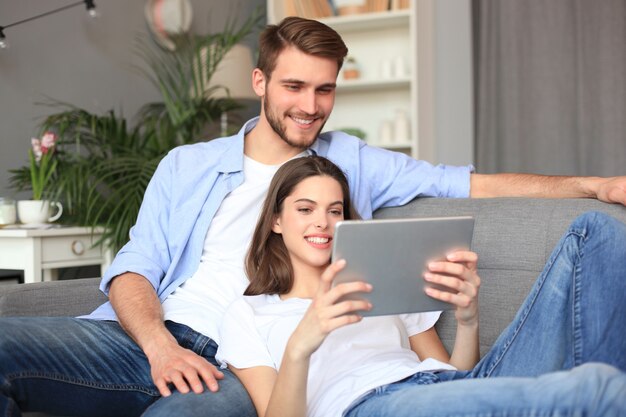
[
  {"x": 612, "y": 190},
  {"x": 173, "y": 364},
  {"x": 139, "y": 312}
]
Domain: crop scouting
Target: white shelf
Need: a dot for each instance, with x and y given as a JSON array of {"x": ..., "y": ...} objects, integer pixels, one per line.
[
  {"x": 368, "y": 21},
  {"x": 365, "y": 85}
]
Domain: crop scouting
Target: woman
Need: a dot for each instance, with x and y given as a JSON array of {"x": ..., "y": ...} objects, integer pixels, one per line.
[{"x": 299, "y": 350}]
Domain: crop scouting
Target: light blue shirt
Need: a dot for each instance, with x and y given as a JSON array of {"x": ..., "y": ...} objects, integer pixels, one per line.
[{"x": 191, "y": 182}]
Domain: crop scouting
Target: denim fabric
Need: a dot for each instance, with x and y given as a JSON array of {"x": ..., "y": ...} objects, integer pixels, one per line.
[
  {"x": 80, "y": 367},
  {"x": 564, "y": 354}
]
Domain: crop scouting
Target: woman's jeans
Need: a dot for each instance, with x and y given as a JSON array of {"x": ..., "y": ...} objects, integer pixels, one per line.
[
  {"x": 564, "y": 354},
  {"x": 66, "y": 366}
]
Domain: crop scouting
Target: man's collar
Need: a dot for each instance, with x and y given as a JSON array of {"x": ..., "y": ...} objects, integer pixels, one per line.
[{"x": 233, "y": 157}]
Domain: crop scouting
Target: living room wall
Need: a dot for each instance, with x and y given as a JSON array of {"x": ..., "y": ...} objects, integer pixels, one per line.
[{"x": 74, "y": 59}]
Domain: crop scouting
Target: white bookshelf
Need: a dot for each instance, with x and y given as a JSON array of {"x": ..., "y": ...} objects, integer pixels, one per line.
[{"x": 375, "y": 40}]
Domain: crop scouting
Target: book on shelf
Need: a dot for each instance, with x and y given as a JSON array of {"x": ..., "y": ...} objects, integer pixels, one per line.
[
  {"x": 290, "y": 8},
  {"x": 399, "y": 4},
  {"x": 374, "y": 6},
  {"x": 310, "y": 9}
]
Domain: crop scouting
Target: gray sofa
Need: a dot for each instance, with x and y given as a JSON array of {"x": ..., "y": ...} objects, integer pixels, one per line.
[{"x": 513, "y": 238}]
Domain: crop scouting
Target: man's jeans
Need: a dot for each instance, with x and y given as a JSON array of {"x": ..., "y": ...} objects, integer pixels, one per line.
[
  {"x": 564, "y": 354},
  {"x": 79, "y": 367}
]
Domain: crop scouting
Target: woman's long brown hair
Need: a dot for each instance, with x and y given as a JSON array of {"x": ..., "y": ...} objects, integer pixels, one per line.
[{"x": 268, "y": 265}]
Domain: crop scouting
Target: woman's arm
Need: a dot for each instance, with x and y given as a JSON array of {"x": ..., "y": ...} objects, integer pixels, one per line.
[
  {"x": 283, "y": 393},
  {"x": 458, "y": 273}
]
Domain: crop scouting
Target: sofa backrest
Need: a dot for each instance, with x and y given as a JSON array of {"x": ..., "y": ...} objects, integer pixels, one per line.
[{"x": 513, "y": 238}]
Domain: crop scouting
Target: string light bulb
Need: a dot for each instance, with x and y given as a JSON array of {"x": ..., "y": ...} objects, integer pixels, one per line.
[
  {"x": 90, "y": 5},
  {"x": 91, "y": 9},
  {"x": 3, "y": 40}
]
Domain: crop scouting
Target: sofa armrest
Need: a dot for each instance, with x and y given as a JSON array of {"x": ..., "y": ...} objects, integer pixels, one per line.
[{"x": 57, "y": 298}]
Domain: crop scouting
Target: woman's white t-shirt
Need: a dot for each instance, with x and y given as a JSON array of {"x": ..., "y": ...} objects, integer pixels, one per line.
[{"x": 351, "y": 361}]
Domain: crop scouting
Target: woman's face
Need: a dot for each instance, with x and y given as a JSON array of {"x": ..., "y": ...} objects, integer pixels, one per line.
[{"x": 307, "y": 222}]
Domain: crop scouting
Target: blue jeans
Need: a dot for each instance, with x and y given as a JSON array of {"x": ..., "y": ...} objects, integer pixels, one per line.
[
  {"x": 564, "y": 354},
  {"x": 80, "y": 367}
]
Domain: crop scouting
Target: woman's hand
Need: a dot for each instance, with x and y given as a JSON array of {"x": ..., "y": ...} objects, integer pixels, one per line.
[
  {"x": 327, "y": 312},
  {"x": 458, "y": 273}
]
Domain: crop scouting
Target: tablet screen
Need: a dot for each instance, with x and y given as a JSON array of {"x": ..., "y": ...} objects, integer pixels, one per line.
[{"x": 392, "y": 255}]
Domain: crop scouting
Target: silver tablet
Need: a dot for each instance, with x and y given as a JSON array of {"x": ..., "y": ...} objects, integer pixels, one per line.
[{"x": 392, "y": 256}]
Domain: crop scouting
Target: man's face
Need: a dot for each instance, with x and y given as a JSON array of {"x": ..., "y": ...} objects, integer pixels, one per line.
[{"x": 299, "y": 97}]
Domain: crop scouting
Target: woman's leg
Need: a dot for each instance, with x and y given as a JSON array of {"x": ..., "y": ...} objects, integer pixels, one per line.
[
  {"x": 589, "y": 390},
  {"x": 575, "y": 312}
]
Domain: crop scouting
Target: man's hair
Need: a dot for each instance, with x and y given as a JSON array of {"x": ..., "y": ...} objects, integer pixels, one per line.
[
  {"x": 268, "y": 264},
  {"x": 309, "y": 36}
]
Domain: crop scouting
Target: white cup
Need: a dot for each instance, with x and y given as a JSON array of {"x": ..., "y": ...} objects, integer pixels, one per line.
[{"x": 38, "y": 211}]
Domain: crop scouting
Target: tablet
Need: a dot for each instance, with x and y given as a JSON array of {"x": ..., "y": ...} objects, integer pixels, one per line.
[{"x": 393, "y": 254}]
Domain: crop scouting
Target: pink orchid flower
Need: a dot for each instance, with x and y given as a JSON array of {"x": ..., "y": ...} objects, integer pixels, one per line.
[
  {"x": 37, "y": 150},
  {"x": 47, "y": 141}
]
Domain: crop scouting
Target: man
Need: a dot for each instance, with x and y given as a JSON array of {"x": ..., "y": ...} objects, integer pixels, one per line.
[{"x": 152, "y": 347}]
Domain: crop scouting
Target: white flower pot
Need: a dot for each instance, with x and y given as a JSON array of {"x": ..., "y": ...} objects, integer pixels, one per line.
[{"x": 34, "y": 212}]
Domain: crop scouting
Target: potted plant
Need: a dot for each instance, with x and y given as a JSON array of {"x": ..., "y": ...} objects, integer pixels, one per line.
[
  {"x": 41, "y": 169},
  {"x": 104, "y": 164}
]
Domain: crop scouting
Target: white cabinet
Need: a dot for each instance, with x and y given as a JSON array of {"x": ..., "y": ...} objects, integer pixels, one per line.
[{"x": 384, "y": 45}]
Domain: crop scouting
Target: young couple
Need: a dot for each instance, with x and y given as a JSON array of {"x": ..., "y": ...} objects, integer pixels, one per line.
[
  {"x": 301, "y": 351},
  {"x": 151, "y": 349}
]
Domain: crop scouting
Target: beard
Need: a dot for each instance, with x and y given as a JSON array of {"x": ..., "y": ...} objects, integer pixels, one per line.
[{"x": 280, "y": 128}]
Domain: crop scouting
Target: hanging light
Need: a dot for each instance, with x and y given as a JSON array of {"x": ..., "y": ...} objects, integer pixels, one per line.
[
  {"x": 91, "y": 9},
  {"x": 3, "y": 40},
  {"x": 90, "y": 5}
]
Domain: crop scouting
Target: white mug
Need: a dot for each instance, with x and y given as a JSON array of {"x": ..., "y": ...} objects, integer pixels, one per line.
[{"x": 38, "y": 211}]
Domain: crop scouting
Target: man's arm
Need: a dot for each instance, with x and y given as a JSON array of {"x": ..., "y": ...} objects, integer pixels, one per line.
[
  {"x": 610, "y": 190},
  {"x": 139, "y": 312}
]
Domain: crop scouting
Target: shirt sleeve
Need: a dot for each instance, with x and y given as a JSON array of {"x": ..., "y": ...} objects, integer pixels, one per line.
[
  {"x": 395, "y": 178},
  {"x": 382, "y": 178},
  {"x": 419, "y": 322},
  {"x": 147, "y": 252},
  {"x": 241, "y": 344}
]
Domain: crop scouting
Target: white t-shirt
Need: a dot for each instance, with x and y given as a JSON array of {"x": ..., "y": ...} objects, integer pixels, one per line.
[
  {"x": 201, "y": 300},
  {"x": 352, "y": 360}
]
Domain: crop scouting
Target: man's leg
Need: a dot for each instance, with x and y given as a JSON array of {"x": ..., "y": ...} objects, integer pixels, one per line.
[
  {"x": 575, "y": 312},
  {"x": 231, "y": 400},
  {"x": 70, "y": 366},
  {"x": 589, "y": 390}
]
